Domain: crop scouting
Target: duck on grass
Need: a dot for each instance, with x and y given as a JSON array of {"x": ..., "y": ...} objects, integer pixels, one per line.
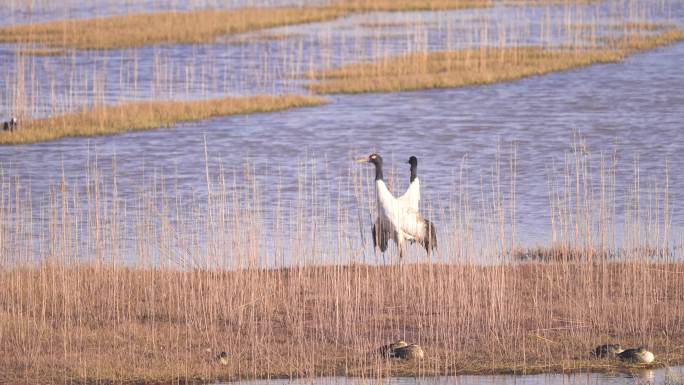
[
  {"x": 634, "y": 356},
  {"x": 402, "y": 350}
]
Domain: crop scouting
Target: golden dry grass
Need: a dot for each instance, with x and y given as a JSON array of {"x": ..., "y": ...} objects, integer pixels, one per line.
[
  {"x": 205, "y": 26},
  {"x": 639, "y": 42},
  {"x": 435, "y": 5},
  {"x": 479, "y": 66},
  {"x": 136, "y": 116},
  {"x": 100, "y": 289},
  {"x": 409, "y": 5},
  {"x": 454, "y": 69},
  {"x": 138, "y": 30},
  {"x": 114, "y": 324}
]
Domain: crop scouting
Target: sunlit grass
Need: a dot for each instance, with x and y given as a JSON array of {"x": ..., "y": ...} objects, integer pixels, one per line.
[
  {"x": 101, "y": 286},
  {"x": 205, "y": 26},
  {"x": 480, "y": 66},
  {"x": 454, "y": 69},
  {"x": 73, "y": 323},
  {"x": 136, "y": 116},
  {"x": 410, "y": 5},
  {"x": 139, "y": 30}
]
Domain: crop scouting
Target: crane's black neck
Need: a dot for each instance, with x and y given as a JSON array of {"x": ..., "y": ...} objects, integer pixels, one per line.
[
  {"x": 378, "y": 168},
  {"x": 414, "y": 172}
]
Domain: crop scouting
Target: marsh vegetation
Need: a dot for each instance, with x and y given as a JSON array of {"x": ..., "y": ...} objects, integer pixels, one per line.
[
  {"x": 171, "y": 280},
  {"x": 137, "y": 116},
  {"x": 485, "y": 65},
  {"x": 153, "y": 281},
  {"x": 61, "y": 67},
  {"x": 195, "y": 27}
]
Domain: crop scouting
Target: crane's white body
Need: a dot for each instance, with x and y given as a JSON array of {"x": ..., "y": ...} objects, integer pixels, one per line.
[
  {"x": 398, "y": 218},
  {"x": 412, "y": 195}
]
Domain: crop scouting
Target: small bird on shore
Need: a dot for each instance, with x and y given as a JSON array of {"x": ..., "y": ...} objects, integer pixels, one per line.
[
  {"x": 10, "y": 125},
  {"x": 400, "y": 219},
  {"x": 222, "y": 358},
  {"x": 637, "y": 356},
  {"x": 388, "y": 351},
  {"x": 410, "y": 352},
  {"x": 607, "y": 351}
]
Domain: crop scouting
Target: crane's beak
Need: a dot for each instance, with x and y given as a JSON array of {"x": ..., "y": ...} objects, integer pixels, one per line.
[{"x": 361, "y": 160}]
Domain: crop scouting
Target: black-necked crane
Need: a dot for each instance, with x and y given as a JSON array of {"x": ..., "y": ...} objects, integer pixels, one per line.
[{"x": 399, "y": 218}]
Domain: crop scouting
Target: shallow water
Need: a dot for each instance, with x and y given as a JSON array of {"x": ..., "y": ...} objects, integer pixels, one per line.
[
  {"x": 647, "y": 376},
  {"x": 257, "y": 63},
  {"x": 23, "y": 12},
  {"x": 632, "y": 110}
]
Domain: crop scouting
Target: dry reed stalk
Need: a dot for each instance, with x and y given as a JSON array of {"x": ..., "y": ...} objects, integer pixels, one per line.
[
  {"x": 97, "y": 289},
  {"x": 135, "y": 116},
  {"x": 74, "y": 322}
]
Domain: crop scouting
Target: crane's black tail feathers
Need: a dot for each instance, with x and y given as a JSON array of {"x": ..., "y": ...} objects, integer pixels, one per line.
[
  {"x": 430, "y": 239},
  {"x": 380, "y": 235}
]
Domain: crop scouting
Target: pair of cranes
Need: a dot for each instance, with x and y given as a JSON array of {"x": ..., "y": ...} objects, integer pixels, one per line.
[{"x": 399, "y": 218}]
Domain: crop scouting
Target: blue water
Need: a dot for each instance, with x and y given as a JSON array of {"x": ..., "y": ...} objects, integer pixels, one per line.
[{"x": 641, "y": 377}]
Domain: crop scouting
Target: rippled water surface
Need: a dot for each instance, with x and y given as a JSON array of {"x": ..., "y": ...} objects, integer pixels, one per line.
[
  {"x": 281, "y": 59},
  {"x": 644, "y": 377},
  {"x": 627, "y": 113},
  {"x": 633, "y": 109}
]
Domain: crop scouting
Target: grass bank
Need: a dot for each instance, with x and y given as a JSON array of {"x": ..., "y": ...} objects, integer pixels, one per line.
[
  {"x": 409, "y": 5},
  {"x": 480, "y": 66},
  {"x": 102, "y": 323},
  {"x": 137, "y": 116},
  {"x": 195, "y": 27},
  {"x": 137, "y": 30}
]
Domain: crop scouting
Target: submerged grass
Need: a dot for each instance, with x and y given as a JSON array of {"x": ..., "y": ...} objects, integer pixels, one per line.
[
  {"x": 136, "y": 116},
  {"x": 480, "y": 66},
  {"x": 113, "y": 324}
]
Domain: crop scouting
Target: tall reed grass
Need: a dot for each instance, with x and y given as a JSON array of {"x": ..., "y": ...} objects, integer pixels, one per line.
[{"x": 99, "y": 288}]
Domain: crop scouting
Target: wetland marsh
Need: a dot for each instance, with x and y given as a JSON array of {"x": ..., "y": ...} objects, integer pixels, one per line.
[{"x": 242, "y": 224}]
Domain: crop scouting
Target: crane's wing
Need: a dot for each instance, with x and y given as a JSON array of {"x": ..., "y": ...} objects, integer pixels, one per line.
[{"x": 412, "y": 195}]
